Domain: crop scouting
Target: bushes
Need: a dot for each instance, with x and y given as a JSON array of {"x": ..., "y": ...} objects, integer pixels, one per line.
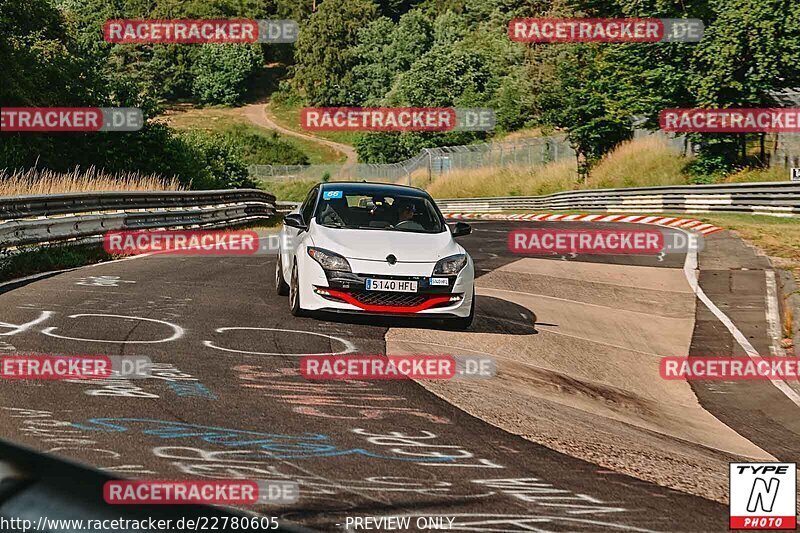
[
  {"x": 210, "y": 161},
  {"x": 221, "y": 72},
  {"x": 199, "y": 159},
  {"x": 263, "y": 148}
]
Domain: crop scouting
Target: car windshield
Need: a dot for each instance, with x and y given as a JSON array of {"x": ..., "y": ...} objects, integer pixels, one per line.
[{"x": 382, "y": 210}]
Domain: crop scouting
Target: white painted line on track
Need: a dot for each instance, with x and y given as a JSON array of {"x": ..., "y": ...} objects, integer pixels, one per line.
[
  {"x": 773, "y": 316},
  {"x": 690, "y": 270}
]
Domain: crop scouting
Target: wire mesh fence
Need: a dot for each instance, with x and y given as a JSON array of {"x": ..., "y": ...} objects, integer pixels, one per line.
[
  {"x": 785, "y": 150},
  {"x": 430, "y": 162},
  {"x": 528, "y": 152}
]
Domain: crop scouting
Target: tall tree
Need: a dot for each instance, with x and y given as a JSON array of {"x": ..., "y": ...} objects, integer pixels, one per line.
[{"x": 324, "y": 49}]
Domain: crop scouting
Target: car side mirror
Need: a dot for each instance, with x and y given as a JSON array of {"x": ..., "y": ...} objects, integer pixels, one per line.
[
  {"x": 295, "y": 220},
  {"x": 461, "y": 228}
]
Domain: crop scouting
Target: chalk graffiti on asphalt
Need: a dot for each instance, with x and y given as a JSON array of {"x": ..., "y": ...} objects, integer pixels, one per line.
[
  {"x": 424, "y": 451},
  {"x": 181, "y": 383},
  {"x": 543, "y": 494},
  {"x": 277, "y": 446},
  {"x": 62, "y": 437},
  {"x": 200, "y": 462},
  {"x": 101, "y": 281},
  {"x": 15, "y": 329}
]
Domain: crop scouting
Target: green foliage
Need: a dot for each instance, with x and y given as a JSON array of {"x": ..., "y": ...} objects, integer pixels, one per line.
[
  {"x": 394, "y": 53},
  {"x": 514, "y": 100},
  {"x": 38, "y": 59},
  {"x": 425, "y": 59},
  {"x": 752, "y": 48},
  {"x": 213, "y": 160},
  {"x": 255, "y": 148},
  {"x": 324, "y": 49},
  {"x": 578, "y": 102},
  {"x": 221, "y": 71},
  {"x": 213, "y": 74},
  {"x": 372, "y": 76},
  {"x": 56, "y": 61},
  {"x": 380, "y": 148},
  {"x": 440, "y": 77}
]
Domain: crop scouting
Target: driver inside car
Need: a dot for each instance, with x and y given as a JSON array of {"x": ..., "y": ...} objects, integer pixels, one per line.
[
  {"x": 335, "y": 212},
  {"x": 405, "y": 213}
]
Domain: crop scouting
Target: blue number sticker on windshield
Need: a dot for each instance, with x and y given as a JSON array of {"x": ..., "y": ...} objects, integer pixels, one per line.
[{"x": 329, "y": 195}]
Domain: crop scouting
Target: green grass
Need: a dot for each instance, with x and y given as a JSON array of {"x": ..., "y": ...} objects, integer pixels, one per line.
[
  {"x": 778, "y": 237},
  {"x": 289, "y": 190},
  {"x": 759, "y": 174},
  {"x": 318, "y": 154},
  {"x": 227, "y": 119},
  {"x": 644, "y": 162}
]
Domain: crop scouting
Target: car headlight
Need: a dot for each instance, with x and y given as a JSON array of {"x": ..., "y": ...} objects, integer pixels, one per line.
[
  {"x": 329, "y": 260},
  {"x": 450, "y": 266}
]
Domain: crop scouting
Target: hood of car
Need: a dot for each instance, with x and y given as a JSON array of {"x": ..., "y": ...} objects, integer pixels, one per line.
[{"x": 377, "y": 245}]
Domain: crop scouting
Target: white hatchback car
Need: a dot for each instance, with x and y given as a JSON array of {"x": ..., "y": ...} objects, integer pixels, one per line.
[{"x": 373, "y": 248}]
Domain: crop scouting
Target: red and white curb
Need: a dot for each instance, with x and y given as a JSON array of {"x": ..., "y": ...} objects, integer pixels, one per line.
[{"x": 669, "y": 222}]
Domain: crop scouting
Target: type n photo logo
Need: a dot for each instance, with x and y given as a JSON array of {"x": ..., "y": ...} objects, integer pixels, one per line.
[{"x": 763, "y": 496}]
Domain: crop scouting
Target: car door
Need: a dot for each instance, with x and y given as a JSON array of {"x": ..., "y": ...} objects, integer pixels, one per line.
[{"x": 295, "y": 236}]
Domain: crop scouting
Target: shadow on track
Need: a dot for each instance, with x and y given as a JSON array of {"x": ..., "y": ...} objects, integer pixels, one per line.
[{"x": 492, "y": 315}]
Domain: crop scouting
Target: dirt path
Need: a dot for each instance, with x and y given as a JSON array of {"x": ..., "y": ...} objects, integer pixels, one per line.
[{"x": 260, "y": 115}]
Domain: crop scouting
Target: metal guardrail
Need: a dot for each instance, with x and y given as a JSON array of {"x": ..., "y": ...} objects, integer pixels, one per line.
[
  {"x": 43, "y": 219},
  {"x": 780, "y": 198},
  {"x": 284, "y": 208},
  {"x": 31, "y": 220}
]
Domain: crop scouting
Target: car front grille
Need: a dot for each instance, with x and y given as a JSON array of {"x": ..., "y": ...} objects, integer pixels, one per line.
[{"x": 395, "y": 299}]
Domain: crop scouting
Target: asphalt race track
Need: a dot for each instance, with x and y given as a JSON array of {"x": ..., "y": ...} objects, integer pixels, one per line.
[{"x": 226, "y": 401}]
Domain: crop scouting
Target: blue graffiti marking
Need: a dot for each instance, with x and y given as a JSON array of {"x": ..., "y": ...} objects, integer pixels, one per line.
[
  {"x": 194, "y": 390},
  {"x": 277, "y": 446}
]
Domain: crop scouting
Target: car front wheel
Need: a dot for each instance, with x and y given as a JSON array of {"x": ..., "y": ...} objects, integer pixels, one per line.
[
  {"x": 294, "y": 294},
  {"x": 281, "y": 287}
]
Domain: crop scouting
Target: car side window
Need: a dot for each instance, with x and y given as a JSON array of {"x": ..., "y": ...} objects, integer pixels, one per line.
[{"x": 307, "y": 209}]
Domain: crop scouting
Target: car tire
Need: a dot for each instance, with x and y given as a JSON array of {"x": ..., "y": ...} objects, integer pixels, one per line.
[
  {"x": 294, "y": 294},
  {"x": 465, "y": 322},
  {"x": 281, "y": 287}
]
